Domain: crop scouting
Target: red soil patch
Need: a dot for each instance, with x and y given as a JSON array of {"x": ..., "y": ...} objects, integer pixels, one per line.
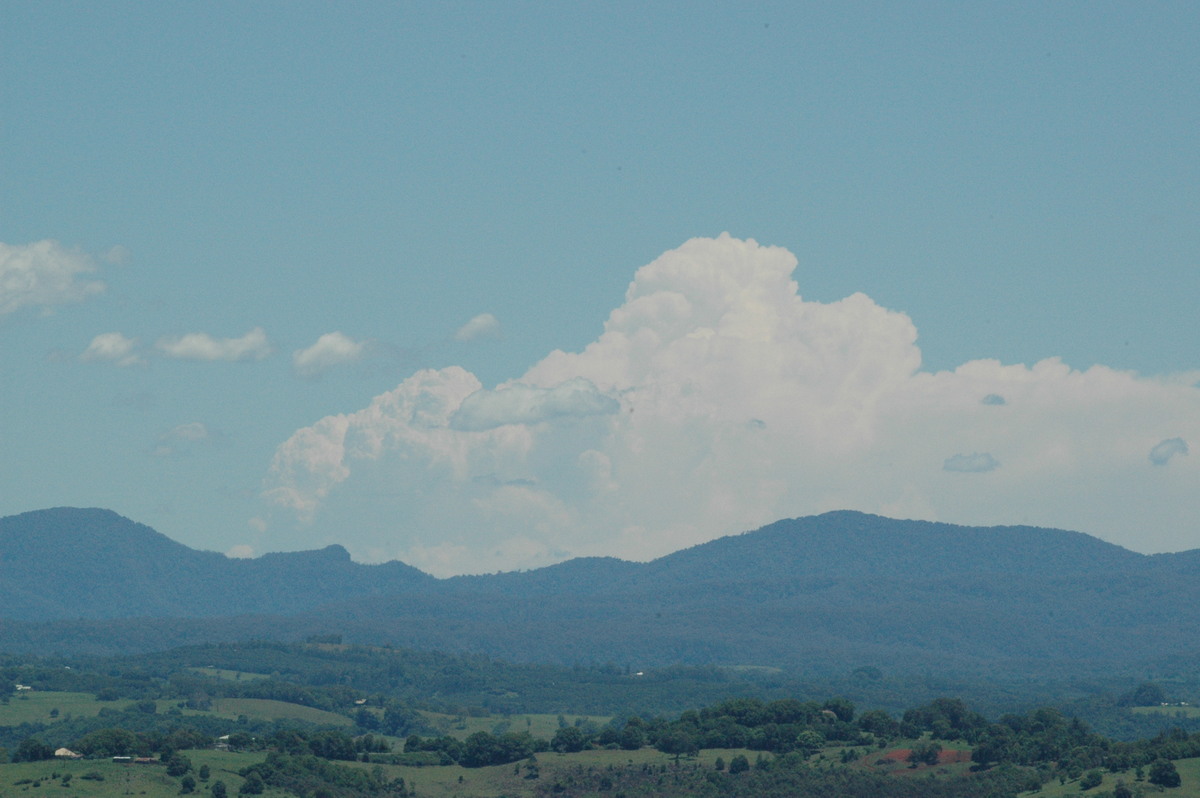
[{"x": 944, "y": 757}]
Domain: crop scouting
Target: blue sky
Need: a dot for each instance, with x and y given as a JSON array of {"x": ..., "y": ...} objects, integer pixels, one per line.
[{"x": 245, "y": 244}]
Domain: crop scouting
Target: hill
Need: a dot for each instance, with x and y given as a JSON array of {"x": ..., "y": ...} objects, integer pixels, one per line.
[
  {"x": 830, "y": 592},
  {"x": 92, "y": 563}
]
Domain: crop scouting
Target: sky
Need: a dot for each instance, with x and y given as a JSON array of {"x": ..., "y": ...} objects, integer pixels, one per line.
[{"x": 486, "y": 286}]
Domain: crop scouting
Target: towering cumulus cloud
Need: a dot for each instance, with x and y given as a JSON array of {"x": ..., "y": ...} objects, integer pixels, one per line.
[{"x": 717, "y": 399}]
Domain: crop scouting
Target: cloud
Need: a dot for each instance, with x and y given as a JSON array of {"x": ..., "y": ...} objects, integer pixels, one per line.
[
  {"x": 994, "y": 399},
  {"x": 1162, "y": 453},
  {"x": 483, "y": 326},
  {"x": 331, "y": 349},
  {"x": 717, "y": 399},
  {"x": 974, "y": 463},
  {"x": 202, "y": 346},
  {"x": 240, "y": 552},
  {"x": 43, "y": 274},
  {"x": 115, "y": 348},
  {"x": 182, "y": 439},
  {"x": 525, "y": 404}
]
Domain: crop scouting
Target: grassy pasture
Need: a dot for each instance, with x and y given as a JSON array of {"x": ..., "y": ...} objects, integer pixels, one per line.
[
  {"x": 150, "y": 781},
  {"x": 228, "y": 675},
  {"x": 1189, "y": 773},
  {"x": 1171, "y": 712},
  {"x": 543, "y": 726},
  {"x": 509, "y": 780},
  {"x": 35, "y": 707},
  {"x": 268, "y": 709}
]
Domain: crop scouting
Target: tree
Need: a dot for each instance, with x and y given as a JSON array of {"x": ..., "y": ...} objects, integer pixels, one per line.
[
  {"x": 187, "y": 785},
  {"x": 32, "y": 749},
  {"x": 203, "y": 773},
  {"x": 1090, "y": 779},
  {"x": 1163, "y": 773},
  {"x": 178, "y": 765},
  {"x": 568, "y": 740},
  {"x": 739, "y": 764},
  {"x": 808, "y": 742},
  {"x": 632, "y": 737},
  {"x": 253, "y": 785},
  {"x": 218, "y": 789},
  {"x": 925, "y": 753}
]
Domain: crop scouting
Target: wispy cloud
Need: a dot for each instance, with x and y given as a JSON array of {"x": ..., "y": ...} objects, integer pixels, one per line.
[
  {"x": 483, "y": 326},
  {"x": 974, "y": 463},
  {"x": 202, "y": 346},
  {"x": 44, "y": 274},
  {"x": 182, "y": 439},
  {"x": 331, "y": 349}
]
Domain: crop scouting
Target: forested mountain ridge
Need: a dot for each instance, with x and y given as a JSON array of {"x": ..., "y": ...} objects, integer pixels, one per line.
[
  {"x": 837, "y": 591},
  {"x": 92, "y": 563}
]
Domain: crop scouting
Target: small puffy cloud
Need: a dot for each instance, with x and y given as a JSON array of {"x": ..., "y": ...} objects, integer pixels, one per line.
[
  {"x": 182, "y": 439},
  {"x": 717, "y": 399},
  {"x": 974, "y": 463},
  {"x": 994, "y": 399},
  {"x": 331, "y": 349},
  {"x": 525, "y": 404},
  {"x": 483, "y": 326},
  {"x": 113, "y": 347},
  {"x": 43, "y": 274},
  {"x": 1162, "y": 453},
  {"x": 202, "y": 346}
]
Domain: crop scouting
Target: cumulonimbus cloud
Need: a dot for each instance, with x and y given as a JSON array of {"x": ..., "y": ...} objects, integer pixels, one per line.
[
  {"x": 330, "y": 350},
  {"x": 202, "y": 346},
  {"x": 715, "y": 400},
  {"x": 43, "y": 274}
]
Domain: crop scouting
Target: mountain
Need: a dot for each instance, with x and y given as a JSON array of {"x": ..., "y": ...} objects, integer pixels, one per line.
[
  {"x": 835, "y": 591},
  {"x": 92, "y": 563}
]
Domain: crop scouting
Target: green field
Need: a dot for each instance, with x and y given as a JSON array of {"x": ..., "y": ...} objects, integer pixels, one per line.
[
  {"x": 36, "y": 706},
  {"x": 229, "y": 676},
  {"x": 1171, "y": 712},
  {"x": 152, "y": 781},
  {"x": 541, "y": 726},
  {"x": 267, "y": 709},
  {"x": 1189, "y": 773}
]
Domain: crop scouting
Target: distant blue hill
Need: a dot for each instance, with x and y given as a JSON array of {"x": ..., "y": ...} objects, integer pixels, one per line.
[{"x": 825, "y": 593}]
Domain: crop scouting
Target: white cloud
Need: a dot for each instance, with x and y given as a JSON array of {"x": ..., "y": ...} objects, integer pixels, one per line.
[
  {"x": 717, "y": 399},
  {"x": 974, "y": 463},
  {"x": 483, "y": 326},
  {"x": 1162, "y": 453},
  {"x": 115, "y": 348},
  {"x": 202, "y": 346},
  {"x": 43, "y": 274},
  {"x": 331, "y": 349}
]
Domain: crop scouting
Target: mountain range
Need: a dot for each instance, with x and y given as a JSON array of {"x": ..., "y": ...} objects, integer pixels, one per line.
[{"x": 830, "y": 592}]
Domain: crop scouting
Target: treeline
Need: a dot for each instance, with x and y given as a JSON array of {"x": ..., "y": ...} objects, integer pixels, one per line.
[{"x": 327, "y": 675}]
